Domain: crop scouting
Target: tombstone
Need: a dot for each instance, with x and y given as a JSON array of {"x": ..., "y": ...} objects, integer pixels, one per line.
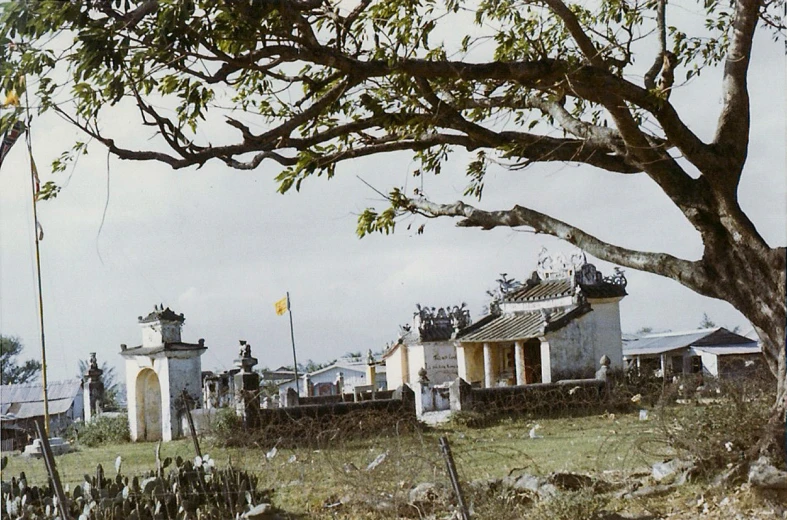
[
  {"x": 247, "y": 387},
  {"x": 93, "y": 389},
  {"x": 157, "y": 374}
]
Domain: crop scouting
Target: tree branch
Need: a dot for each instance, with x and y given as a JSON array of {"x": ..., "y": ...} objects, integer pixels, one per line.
[
  {"x": 732, "y": 132},
  {"x": 687, "y": 272}
]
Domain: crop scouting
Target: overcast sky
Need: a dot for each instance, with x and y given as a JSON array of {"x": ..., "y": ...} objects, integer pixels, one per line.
[{"x": 221, "y": 246}]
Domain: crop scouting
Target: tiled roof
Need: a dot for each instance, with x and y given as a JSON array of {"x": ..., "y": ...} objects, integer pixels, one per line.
[
  {"x": 165, "y": 315},
  {"x": 543, "y": 290},
  {"x": 604, "y": 290},
  {"x": 551, "y": 289},
  {"x": 510, "y": 327},
  {"x": 653, "y": 344},
  {"x": 169, "y": 347}
]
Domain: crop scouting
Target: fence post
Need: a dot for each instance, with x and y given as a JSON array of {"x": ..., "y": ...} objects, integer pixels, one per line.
[
  {"x": 190, "y": 419},
  {"x": 449, "y": 462},
  {"x": 49, "y": 460}
]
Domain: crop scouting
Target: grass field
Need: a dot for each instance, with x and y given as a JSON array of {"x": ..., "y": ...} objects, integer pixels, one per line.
[{"x": 307, "y": 480}]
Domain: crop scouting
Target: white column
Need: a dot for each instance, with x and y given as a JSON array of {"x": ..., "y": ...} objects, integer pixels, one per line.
[
  {"x": 519, "y": 363},
  {"x": 546, "y": 362},
  {"x": 663, "y": 360},
  {"x": 489, "y": 373},
  {"x": 462, "y": 361}
]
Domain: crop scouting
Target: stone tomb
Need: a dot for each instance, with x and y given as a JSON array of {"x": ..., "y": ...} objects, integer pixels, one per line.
[{"x": 157, "y": 374}]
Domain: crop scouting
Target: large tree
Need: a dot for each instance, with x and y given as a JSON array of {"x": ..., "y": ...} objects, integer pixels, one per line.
[
  {"x": 309, "y": 84},
  {"x": 11, "y": 370}
]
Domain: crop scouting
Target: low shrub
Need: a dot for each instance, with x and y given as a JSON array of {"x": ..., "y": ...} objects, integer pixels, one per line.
[
  {"x": 583, "y": 504},
  {"x": 721, "y": 428},
  {"x": 103, "y": 430}
]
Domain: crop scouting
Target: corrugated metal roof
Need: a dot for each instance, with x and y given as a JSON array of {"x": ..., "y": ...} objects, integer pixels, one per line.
[
  {"x": 512, "y": 327},
  {"x": 732, "y": 350},
  {"x": 36, "y": 409},
  {"x": 27, "y": 400},
  {"x": 32, "y": 392},
  {"x": 653, "y": 344}
]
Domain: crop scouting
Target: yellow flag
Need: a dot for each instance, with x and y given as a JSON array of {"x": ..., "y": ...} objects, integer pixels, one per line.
[
  {"x": 281, "y": 306},
  {"x": 11, "y": 99}
]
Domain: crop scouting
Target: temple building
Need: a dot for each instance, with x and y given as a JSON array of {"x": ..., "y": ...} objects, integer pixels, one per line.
[{"x": 556, "y": 325}]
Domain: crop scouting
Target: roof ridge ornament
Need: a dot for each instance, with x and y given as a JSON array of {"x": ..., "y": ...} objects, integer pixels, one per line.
[{"x": 434, "y": 323}]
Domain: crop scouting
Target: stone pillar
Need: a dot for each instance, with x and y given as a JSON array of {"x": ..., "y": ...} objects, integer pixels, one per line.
[
  {"x": 489, "y": 372},
  {"x": 460, "y": 395},
  {"x": 603, "y": 373},
  {"x": 93, "y": 389},
  {"x": 247, "y": 387},
  {"x": 546, "y": 362},
  {"x": 371, "y": 372},
  {"x": 663, "y": 361},
  {"x": 423, "y": 394},
  {"x": 340, "y": 383},
  {"x": 519, "y": 363},
  {"x": 307, "y": 385}
]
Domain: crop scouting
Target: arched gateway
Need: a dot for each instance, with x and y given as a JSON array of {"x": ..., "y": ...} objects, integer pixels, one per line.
[{"x": 157, "y": 373}]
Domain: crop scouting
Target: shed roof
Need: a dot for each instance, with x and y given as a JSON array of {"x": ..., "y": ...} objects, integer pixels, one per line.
[
  {"x": 653, "y": 344},
  {"x": 26, "y": 400},
  {"x": 732, "y": 350},
  {"x": 30, "y": 392}
]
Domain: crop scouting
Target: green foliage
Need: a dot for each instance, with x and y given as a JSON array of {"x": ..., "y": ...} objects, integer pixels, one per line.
[
  {"x": 327, "y": 85},
  {"x": 227, "y": 425},
  {"x": 11, "y": 371},
  {"x": 189, "y": 490},
  {"x": 103, "y": 430}
]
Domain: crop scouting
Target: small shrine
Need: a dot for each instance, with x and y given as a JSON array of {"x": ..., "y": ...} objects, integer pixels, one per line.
[
  {"x": 555, "y": 325},
  {"x": 159, "y": 373}
]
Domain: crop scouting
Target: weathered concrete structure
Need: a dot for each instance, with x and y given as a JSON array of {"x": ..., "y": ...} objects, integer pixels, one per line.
[
  {"x": 157, "y": 374},
  {"x": 427, "y": 344},
  {"x": 556, "y": 325}
]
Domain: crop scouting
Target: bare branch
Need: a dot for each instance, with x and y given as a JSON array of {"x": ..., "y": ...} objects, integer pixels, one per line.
[
  {"x": 650, "y": 75},
  {"x": 687, "y": 272},
  {"x": 732, "y": 133}
]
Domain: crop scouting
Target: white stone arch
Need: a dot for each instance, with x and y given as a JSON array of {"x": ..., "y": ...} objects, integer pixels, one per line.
[
  {"x": 157, "y": 374},
  {"x": 149, "y": 406}
]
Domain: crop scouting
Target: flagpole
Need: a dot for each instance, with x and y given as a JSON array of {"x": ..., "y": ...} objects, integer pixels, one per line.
[
  {"x": 35, "y": 186},
  {"x": 292, "y": 337}
]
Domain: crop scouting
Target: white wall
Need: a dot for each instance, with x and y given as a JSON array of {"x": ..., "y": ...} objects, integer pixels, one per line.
[
  {"x": 416, "y": 360},
  {"x": 580, "y": 345},
  {"x": 440, "y": 361}
]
